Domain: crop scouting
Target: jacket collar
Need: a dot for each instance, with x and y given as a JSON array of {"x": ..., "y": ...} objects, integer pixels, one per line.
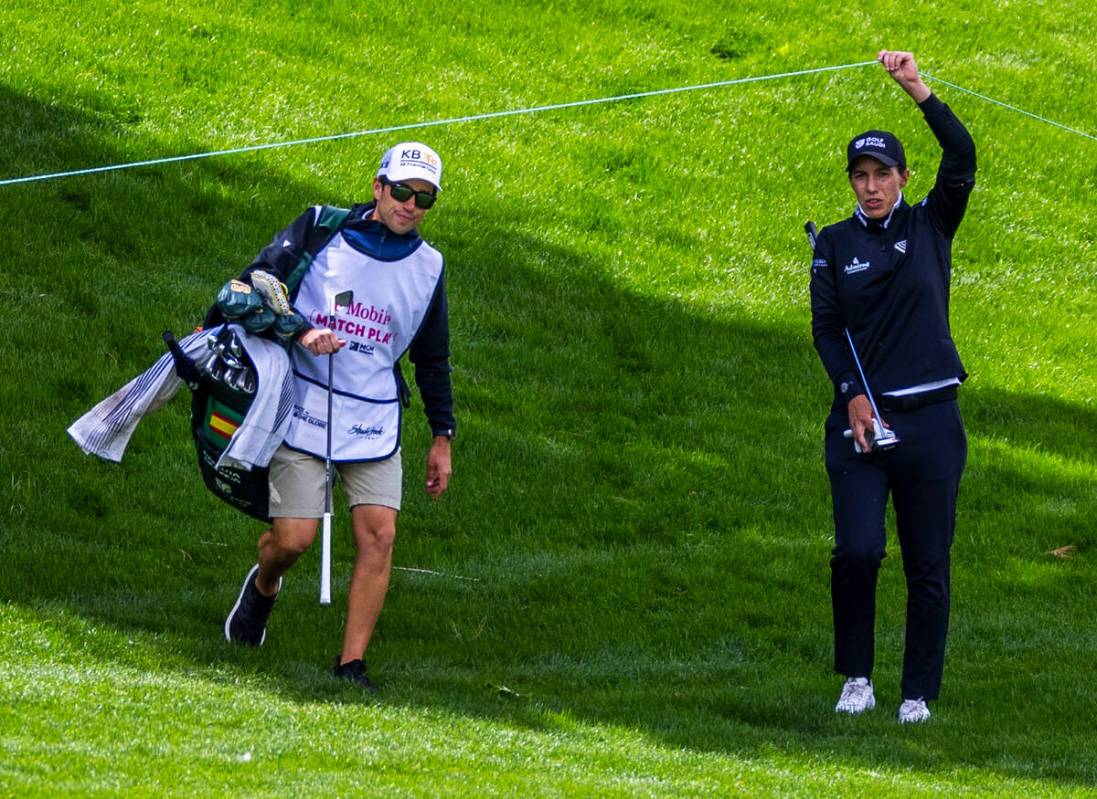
[
  {"x": 375, "y": 239},
  {"x": 877, "y": 225}
]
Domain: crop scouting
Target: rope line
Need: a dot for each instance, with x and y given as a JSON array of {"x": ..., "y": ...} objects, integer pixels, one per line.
[
  {"x": 517, "y": 112},
  {"x": 414, "y": 570},
  {"x": 433, "y": 123},
  {"x": 1010, "y": 107}
]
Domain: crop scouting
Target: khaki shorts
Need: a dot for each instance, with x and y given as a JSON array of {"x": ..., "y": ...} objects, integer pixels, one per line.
[{"x": 297, "y": 483}]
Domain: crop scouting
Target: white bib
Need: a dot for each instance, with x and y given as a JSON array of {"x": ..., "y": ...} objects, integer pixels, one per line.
[{"x": 390, "y": 301}]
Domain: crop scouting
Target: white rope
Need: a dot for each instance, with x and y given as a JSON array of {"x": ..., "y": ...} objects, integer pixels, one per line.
[
  {"x": 436, "y": 574},
  {"x": 1010, "y": 107},
  {"x": 517, "y": 112},
  {"x": 434, "y": 123}
]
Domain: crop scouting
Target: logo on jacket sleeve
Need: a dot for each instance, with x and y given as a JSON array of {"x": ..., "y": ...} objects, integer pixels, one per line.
[{"x": 856, "y": 266}]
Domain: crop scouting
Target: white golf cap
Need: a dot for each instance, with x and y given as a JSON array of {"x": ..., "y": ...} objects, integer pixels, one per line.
[{"x": 410, "y": 160}]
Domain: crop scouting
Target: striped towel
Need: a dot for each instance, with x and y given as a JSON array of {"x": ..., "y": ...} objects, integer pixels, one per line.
[{"x": 106, "y": 429}]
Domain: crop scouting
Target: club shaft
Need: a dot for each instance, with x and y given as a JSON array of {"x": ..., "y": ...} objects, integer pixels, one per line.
[
  {"x": 329, "y": 479},
  {"x": 344, "y": 298},
  {"x": 864, "y": 380},
  {"x": 327, "y": 453}
]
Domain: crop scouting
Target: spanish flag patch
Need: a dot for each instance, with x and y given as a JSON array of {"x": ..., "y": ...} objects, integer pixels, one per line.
[
  {"x": 221, "y": 421},
  {"x": 222, "y": 425}
]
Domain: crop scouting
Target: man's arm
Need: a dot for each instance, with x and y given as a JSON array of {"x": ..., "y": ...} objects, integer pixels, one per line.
[
  {"x": 439, "y": 467},
  {"x": 278, "y": 258},
  {"x": 429, "y": 352},
  {"x": 286, "y": 248}
]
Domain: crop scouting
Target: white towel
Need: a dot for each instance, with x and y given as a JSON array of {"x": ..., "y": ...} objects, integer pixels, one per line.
[{"x": 106, "y": 429}]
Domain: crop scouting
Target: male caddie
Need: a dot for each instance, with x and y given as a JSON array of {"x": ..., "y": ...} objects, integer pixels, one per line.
[
  {"x": 883, "y": 275},
  {"x": 392, "y": 287}
]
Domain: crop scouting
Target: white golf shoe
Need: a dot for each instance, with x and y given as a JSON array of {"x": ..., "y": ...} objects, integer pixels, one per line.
[
  {"x": 857, "y": 696},
  {"x": 913, "y": 711}
]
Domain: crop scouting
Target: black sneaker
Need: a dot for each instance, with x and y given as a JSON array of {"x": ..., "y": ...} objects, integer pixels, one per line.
[
  {"x": 354, "y": 671},
  {"x": 247, "y": 621}
]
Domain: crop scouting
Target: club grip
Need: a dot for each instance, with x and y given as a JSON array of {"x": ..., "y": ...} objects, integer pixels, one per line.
[
  {"x": 813, "y": 234},
  {"x": 325, "y": 561}
]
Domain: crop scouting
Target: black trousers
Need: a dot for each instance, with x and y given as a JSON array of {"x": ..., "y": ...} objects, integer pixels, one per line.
[{"x": 922, "y": 474}]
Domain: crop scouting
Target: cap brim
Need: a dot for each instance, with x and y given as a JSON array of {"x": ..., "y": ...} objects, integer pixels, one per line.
[
  {"x": 399, "y": 178},
  {"x": 886, "y": 160}
]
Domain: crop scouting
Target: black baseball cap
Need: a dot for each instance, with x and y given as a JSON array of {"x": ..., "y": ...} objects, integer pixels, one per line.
[{"x": 879, "y": 144}]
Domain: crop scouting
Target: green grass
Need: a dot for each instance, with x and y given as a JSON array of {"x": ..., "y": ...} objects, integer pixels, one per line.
[{"x": 639, "y": 504}]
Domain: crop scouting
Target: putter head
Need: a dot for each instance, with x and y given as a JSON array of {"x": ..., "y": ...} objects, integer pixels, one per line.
[
  {"x": 342, "y": 300},
  {"x": 886, "y": 441},
  {"x": 880, "y": 438}
]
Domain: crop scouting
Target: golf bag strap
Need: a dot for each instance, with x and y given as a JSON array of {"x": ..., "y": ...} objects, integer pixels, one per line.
[{"x": 328, "y": 224}]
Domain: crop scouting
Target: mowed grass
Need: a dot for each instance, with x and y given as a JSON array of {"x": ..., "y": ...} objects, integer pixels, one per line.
[{"x": 626, "y": 589}]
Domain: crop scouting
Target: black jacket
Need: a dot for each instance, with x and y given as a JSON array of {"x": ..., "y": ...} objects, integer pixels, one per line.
[{"x": 887, "y": 281}]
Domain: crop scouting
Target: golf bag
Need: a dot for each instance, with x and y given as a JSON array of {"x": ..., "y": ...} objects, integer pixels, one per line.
[
  {"x": 223, "y": 385},
  {"x": 223, "y": 382}
]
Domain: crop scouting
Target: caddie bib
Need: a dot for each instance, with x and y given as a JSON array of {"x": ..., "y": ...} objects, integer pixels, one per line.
[{"x": 386, "y": 305}]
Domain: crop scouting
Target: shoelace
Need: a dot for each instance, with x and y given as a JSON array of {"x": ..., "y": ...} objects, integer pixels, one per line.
[
  {"x": 853, "y": 689},
  {"x": 852, "y": 686},
  {"x": 913, "y": 707}
]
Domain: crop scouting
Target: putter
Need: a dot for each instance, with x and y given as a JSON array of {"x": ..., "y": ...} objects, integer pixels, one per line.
[
  {"x": 343, "y": 298},
  {"x": 882, "y": 437}
]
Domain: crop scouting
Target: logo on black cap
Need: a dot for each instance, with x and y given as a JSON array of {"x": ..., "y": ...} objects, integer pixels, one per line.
[{"x": 878, "y": 144}]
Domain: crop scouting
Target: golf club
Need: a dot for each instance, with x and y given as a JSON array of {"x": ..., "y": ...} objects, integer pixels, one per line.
[
  {"x": 343, "y": 298},
  {"x": 882, "y": 437}
]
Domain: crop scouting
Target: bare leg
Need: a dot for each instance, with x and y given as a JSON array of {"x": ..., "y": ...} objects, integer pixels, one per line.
[
  {"x": 374, "y": 534},
  {"x": 279, "y": 549}
]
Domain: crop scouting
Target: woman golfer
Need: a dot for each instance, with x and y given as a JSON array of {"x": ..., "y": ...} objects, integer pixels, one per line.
[{"x": 883, "y": 276}]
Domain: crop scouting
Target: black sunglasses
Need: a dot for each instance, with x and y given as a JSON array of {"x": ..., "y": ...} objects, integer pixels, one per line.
[{"x": 401, "y": 192}]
